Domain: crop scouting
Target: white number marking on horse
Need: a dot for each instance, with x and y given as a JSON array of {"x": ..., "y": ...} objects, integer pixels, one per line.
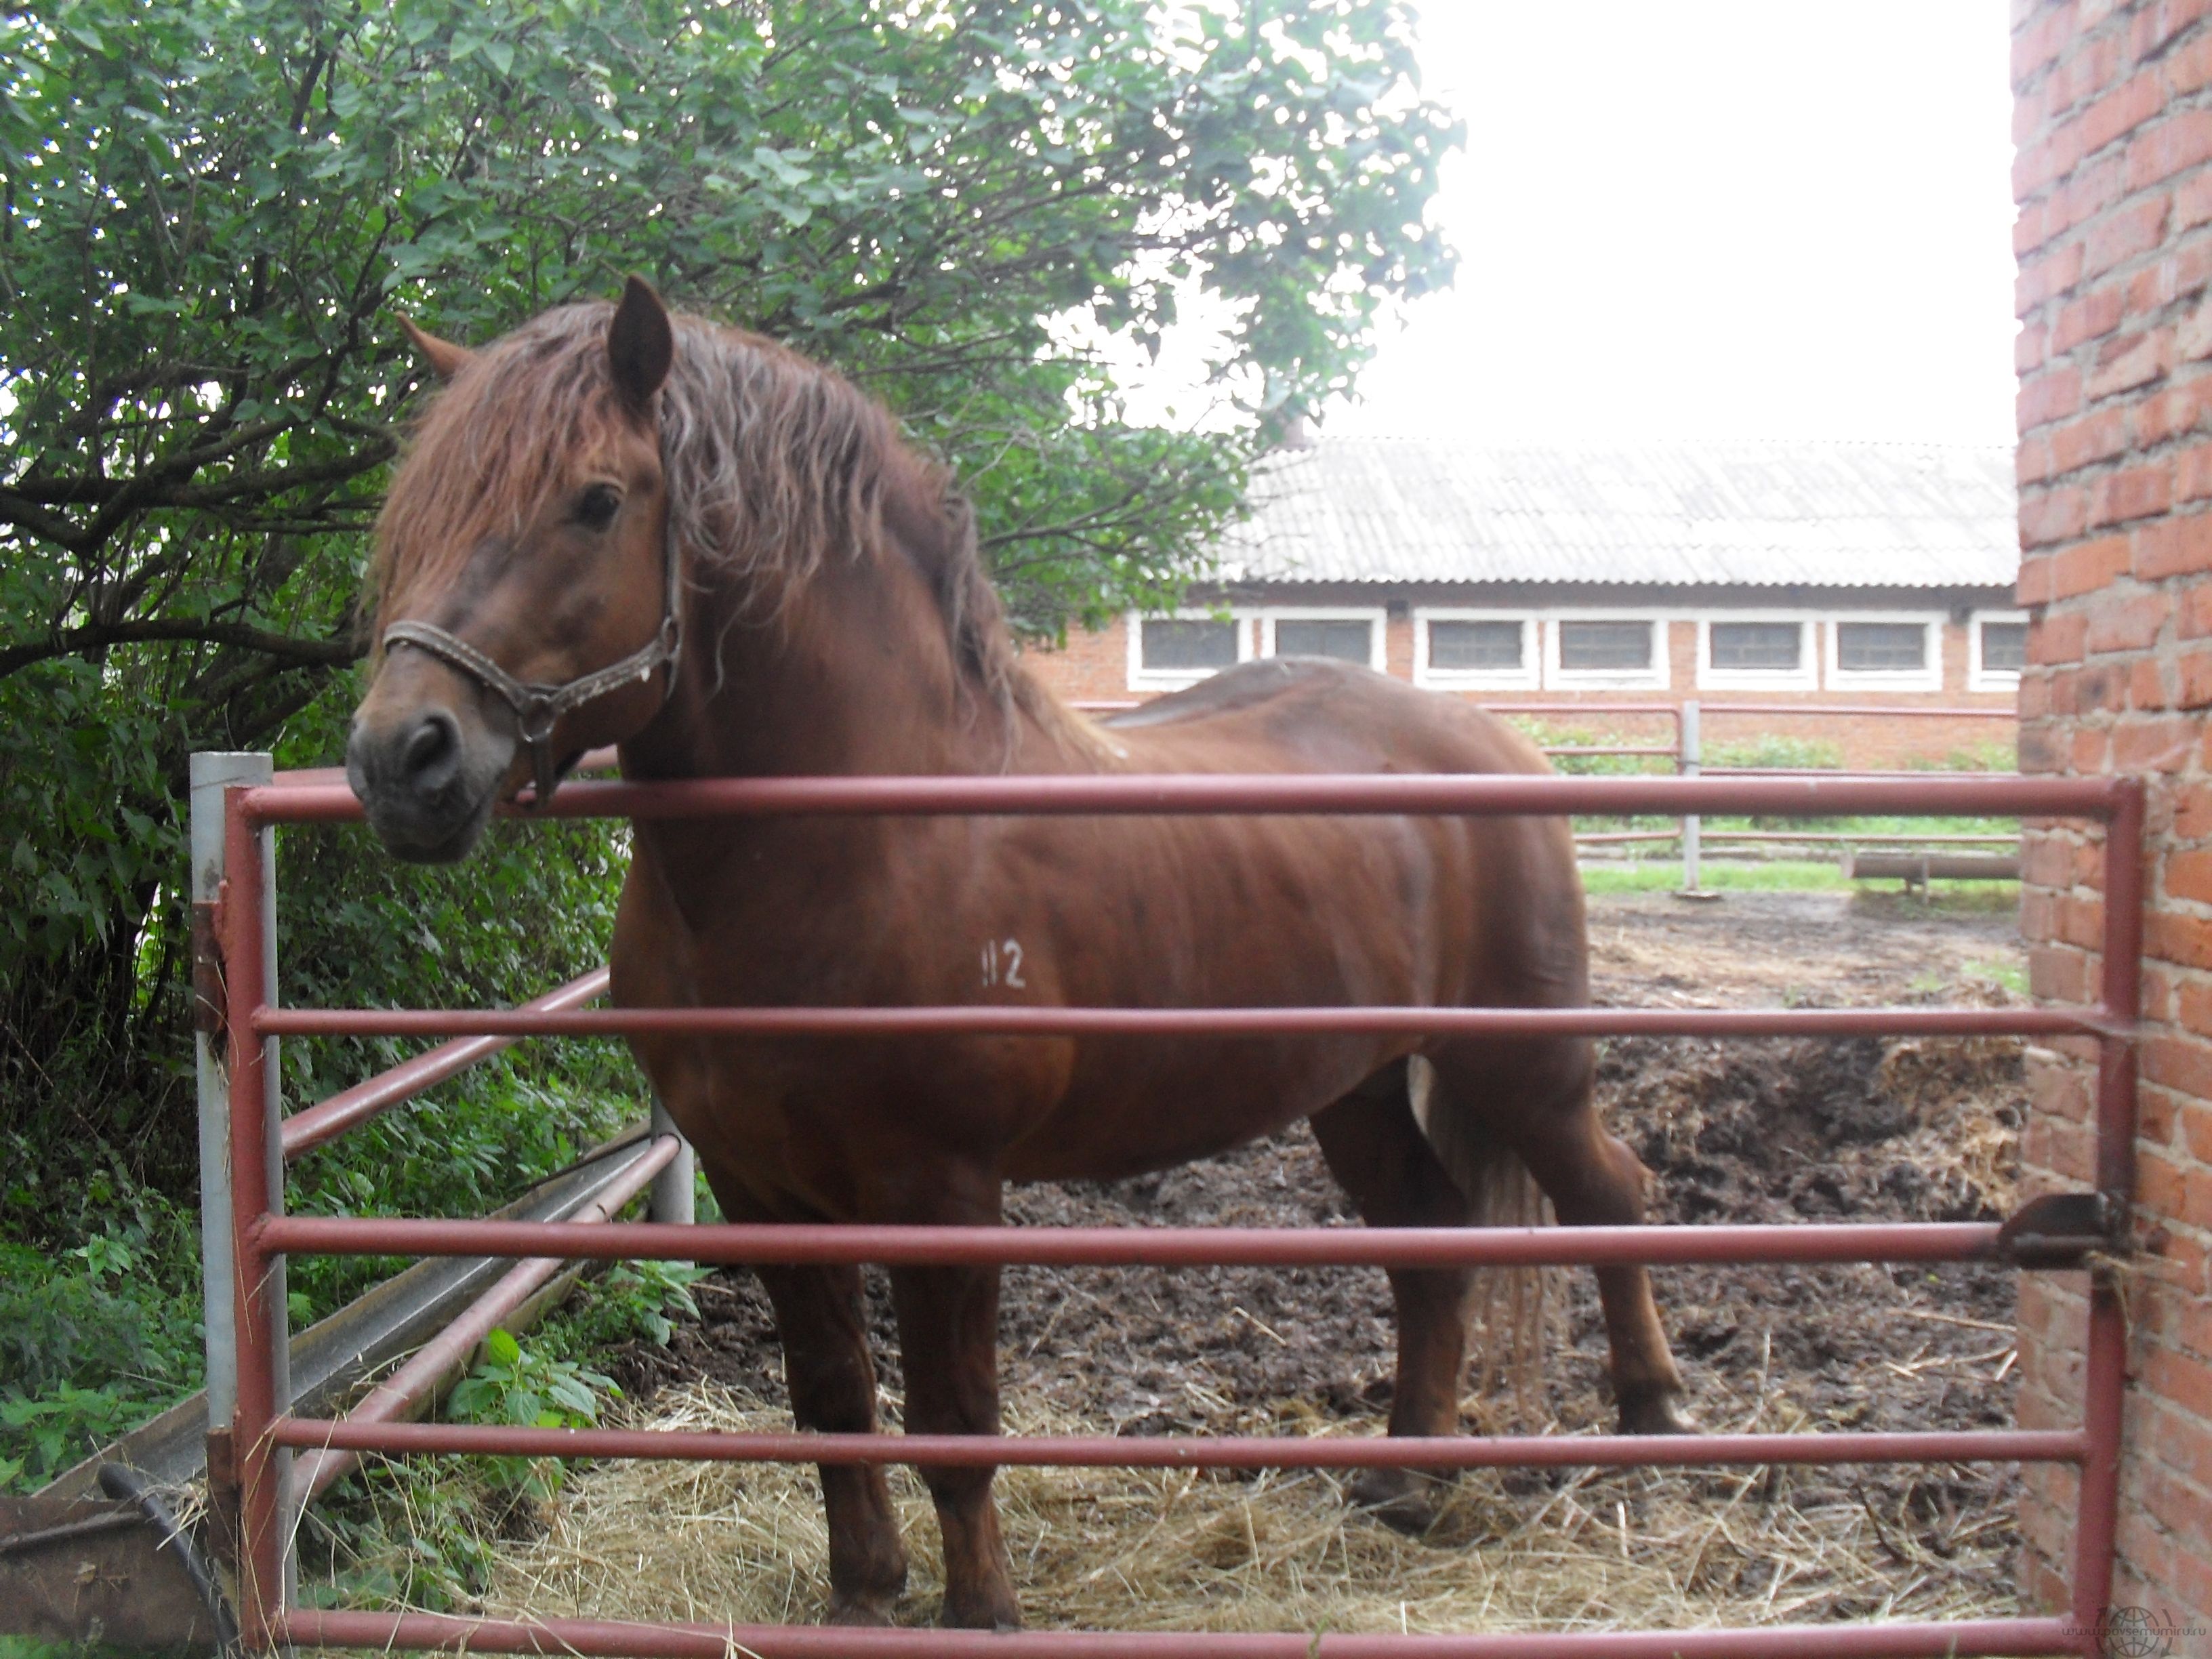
[{"x": 1002, "y": 964}]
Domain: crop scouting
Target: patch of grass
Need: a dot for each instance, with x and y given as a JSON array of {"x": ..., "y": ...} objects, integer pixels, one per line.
[
  {"x": 2010, "y": 974},
  {"x": 1791, "y": 876},
  {"x": 1765, "y": 876},
  {"x": 1990, "y": 898}
]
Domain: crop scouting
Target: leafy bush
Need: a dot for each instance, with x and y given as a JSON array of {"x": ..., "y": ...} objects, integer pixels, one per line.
[
  {"x": 1774, "y": 749},
  {"x": 90, "y": 1341},
  {"x": 631, "y": 1299},
  {"x": 528, "y": 1388}
]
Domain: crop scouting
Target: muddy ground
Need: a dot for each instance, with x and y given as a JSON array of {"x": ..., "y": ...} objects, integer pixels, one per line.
[{"x": 1741, "y": 1131}]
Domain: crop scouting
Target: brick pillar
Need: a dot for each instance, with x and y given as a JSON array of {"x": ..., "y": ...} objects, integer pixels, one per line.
[{"x": 2113, "y": 116}]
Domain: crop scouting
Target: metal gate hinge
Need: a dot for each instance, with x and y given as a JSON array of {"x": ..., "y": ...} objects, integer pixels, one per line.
[{"x": 2061, "y": 1230}]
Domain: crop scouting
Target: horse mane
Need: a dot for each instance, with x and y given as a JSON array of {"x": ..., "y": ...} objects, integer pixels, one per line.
[{"x": 775, "y": 465}]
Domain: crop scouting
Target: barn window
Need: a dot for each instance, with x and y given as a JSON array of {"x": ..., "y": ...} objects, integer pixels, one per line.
[
  {"x": 1998, "y": 650},
  {"x": 1166, "y": 652},
  {"x": 1758, "y": 646},
  {"x": 1755, "y": 652},
  {"x": 1347, "y": 636},
  {"x": 1599, "y": 650},
  {"x": 1478, "y": 646},
  {"x": 1605, "y": 647},
  {"x": 1882, "y": 647},
  {"x": 2004, "y": 647},
  {"x": 1179, "y": 646},
  {"x": 1474, "y": 650},
  {"x": 1347, "y": 641},
  {"x": 1897, "y": 653}
]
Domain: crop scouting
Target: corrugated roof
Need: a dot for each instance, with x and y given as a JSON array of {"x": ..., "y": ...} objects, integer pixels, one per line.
[{"x": 1758, "y": 514}]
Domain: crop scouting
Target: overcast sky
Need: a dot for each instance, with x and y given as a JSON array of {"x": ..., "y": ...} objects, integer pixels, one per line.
[{"x": 1685, "y": 218}]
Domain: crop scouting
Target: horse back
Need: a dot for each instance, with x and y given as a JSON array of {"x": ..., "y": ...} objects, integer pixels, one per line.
[{"x": 1311, "y": 714}]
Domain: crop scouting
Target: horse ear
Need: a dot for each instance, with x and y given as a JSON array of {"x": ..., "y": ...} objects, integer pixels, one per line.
[
  {"x": 640, "y": 344},
  {"x": 445, "y": 359}
]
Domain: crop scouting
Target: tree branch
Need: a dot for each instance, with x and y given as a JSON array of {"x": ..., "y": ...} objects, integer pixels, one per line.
[{"x": 73, "y": 642}]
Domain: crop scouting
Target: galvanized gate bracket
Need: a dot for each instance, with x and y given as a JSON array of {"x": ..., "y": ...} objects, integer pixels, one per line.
[
  {"x": 2063, "y": 1230},
  {"x": 210, "y": 997}
]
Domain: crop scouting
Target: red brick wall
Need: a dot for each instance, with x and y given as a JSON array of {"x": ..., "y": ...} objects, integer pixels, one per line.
[
  {"x": 1094, "y": 667},
  {"x": 2113, "y": 119}
]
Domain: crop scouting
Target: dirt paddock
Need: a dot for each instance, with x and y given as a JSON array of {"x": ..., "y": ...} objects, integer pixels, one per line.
[{"x": 1749, "y": 1131}]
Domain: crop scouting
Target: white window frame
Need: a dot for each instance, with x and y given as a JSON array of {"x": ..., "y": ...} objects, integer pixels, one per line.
[
  {"x": 1657, "y": 678},
  {"x": 1527, "y": 678},
  {"x": 1980, "y": 678},
  {"x": 1174, "y": 679},
  {"x": 1929, "y": 678},
  {"x": 1806, "y": 677},
  {"x": 1376, "y": 617}
]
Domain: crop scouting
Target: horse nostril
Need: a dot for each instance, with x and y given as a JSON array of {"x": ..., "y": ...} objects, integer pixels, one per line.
[{"x": 433, "y": 750}]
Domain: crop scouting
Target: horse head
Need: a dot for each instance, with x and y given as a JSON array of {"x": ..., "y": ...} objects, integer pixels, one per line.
[{"x": 527, "y": 581}]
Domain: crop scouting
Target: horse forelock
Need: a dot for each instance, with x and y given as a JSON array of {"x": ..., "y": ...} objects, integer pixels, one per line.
[{"x": 486, "y": 450}]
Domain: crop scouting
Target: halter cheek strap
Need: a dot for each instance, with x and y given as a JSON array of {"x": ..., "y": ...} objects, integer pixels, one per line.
[{"x": 537, "y": 706}]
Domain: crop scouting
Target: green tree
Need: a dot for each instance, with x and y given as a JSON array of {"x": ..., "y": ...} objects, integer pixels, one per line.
[{"x": 213, "y": 208}]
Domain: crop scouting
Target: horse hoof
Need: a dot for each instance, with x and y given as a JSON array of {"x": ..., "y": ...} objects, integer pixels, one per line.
[
  {"x": 1400, "y": 1499},
  {"x": 1658, "y": 1413},
  {"x": 864, "y": 1612},
  {"x": 989, "y": 1614},
  {"x": 1001, "y": 1624}
]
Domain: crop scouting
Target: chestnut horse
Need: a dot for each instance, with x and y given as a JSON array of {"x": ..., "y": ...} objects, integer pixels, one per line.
[{"x": 773, "y": 582}]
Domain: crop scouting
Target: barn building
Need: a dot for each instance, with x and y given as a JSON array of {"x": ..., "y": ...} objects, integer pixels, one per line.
[{"x": 1858, "y": 576}]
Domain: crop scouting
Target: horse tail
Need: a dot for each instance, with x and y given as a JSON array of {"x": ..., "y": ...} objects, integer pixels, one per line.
[{"x": 1510, "y": 1307}]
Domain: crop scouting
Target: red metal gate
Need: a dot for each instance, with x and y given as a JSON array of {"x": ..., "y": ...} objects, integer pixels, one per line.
[{"x": 2062, "y": 1233}]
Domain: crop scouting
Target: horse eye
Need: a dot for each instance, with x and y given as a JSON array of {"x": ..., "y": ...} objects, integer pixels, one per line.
[{"x": 597, "y": 507}]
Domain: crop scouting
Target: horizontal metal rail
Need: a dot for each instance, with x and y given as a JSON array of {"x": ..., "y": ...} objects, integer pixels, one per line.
[
  {"x": 1909, "y": 711},
  {"x": 993, "y": 1019},
  {"x": 1672, "y": 711},
  {"x": 1758, "y": 838},
  {"x": 805, "y": 1243},
  {"x": 325, "y": 1120},
  {"x": 1131, "y": 794},
  {"x": 590, "y": 1639},
  {"x": 1190, "y": 1451},
  {"x": 1887, "y": 838}
]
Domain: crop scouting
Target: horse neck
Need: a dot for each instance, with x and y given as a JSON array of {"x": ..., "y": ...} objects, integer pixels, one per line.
[{"x": 853, "y": 674}]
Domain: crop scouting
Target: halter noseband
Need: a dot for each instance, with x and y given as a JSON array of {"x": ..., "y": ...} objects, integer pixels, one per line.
[{"x": 538, "y": 706}]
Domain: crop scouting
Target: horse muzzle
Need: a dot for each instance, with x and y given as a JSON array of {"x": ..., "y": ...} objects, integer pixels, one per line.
[{"x": 429, "y": 781}]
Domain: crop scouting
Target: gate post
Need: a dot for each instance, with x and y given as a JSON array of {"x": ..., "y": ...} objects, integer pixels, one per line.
[
  {"x": 1692, "y": 755},
  {"x": 233, "y": 877},
  {"x": 2105, "y": 1380},
  {"x": 211, "y": 774},
  {"x": 673, "y": 1195}
]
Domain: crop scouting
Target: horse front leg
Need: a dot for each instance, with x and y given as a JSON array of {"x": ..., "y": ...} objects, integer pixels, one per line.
[
  {"x": 948, "y": 1321},
  {"x": 821, "y": 1315}
]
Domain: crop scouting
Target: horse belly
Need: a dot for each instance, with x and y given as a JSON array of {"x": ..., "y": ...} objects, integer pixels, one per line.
[{"x": 1125, "y": 1114}]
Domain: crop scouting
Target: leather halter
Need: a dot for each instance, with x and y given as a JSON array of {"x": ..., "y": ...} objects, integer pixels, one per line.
[{"x": 538, "y": 706}]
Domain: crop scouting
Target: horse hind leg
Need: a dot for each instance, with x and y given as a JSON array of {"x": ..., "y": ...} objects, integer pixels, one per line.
[
  {"x": 1377, "y": 1153},
  {"x": 1592, "y": 1179}
]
